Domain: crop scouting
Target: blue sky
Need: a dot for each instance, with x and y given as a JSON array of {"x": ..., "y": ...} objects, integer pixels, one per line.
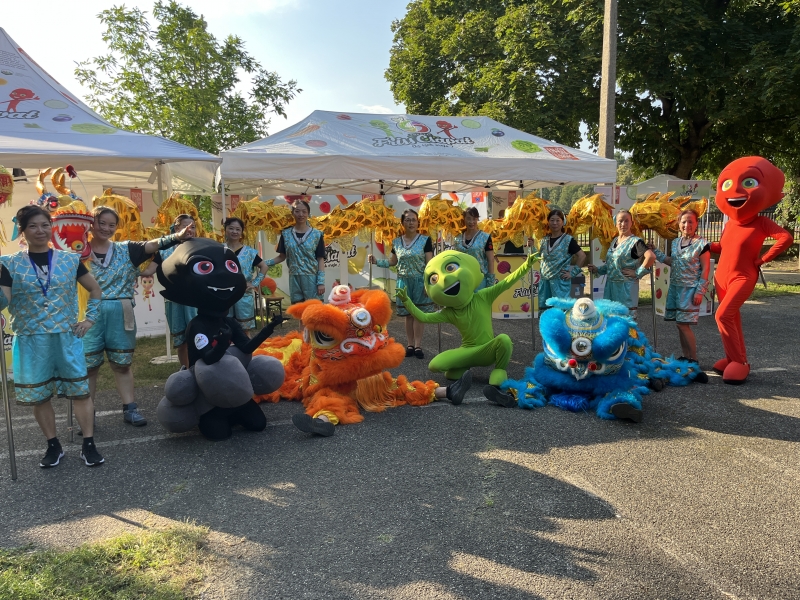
[{"x": 337, "y": 50}]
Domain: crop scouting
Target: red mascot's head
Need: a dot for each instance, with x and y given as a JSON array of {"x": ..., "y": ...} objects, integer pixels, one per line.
[{"x": 747, "y": 186}]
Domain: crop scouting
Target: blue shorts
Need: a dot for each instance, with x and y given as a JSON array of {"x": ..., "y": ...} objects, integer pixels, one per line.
[
  {"x": 244, "y": 311},
  {"x": 679, "y": 305},
  {"x": 178, "y": 317},
  {"x": 46, "y": 364},
  {"x": 302, "y": 288},
  {"x": 415, "y": 288},
  {"x": 108, "y": 334},
  {"x": 553, "y": 288}
]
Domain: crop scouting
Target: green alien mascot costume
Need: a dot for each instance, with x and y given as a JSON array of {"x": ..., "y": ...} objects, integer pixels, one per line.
[{"x": 450, "y": 281}]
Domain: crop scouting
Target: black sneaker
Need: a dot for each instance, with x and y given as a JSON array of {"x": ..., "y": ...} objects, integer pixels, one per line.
[
  {"x": 52, "y": 457},
  {"x": 625, "y": 411},
  {"x": 308, "y": 424},
  {"x": 458, "y": 389},
  {"x": 496, "y": 396},
  {"x": 91, "y": 456}
]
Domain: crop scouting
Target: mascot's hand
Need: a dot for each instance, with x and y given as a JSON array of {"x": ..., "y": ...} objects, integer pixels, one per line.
[
  {"x": 532, "y": 258},
  {"x": 224, "y": 336},
  {"x": 277, "y": 320},
  {"x": 402, "y": 294}
]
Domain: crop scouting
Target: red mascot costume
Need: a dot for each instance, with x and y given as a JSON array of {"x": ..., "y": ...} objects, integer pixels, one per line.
[{"x": 745, "y": 187}]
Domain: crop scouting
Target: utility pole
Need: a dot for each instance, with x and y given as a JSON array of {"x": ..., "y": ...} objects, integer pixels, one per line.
[{"x": 608, "y": 80}]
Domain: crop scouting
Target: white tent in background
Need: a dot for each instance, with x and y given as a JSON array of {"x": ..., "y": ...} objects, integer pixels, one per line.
[
  {"x": 346, "y": 153},
  {"x": 42, "y": 125}
]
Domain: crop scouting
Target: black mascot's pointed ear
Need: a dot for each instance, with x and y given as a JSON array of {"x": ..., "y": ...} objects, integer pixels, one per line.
[{"x": 204, "y": 274}]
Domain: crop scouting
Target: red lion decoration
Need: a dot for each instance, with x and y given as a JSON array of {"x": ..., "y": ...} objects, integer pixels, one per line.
[{"x": 745, "y": 187}]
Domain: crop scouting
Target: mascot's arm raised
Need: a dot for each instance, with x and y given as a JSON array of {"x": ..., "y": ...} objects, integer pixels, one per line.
[
  {"x": 783, "y": 240},
  {"x": 501, "y": 286},
  {"x": 247, "y": 345},
  {"x": 420, "y": 316}
]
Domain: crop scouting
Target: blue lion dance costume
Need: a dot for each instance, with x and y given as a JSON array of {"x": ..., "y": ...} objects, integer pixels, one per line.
[{"x": 595, "y": 358}]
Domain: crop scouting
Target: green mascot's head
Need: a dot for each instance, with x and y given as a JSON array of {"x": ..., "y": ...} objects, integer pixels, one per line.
[{"x": 451, "y": 278}]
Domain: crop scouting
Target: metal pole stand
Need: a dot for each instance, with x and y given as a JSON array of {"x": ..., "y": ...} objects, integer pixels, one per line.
[
  {"x": 12, "y": 456},
  {"x": 653, "y": 298}
]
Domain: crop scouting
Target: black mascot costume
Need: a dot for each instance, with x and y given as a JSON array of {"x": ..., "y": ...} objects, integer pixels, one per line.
[{"x": 216, "y": 392}]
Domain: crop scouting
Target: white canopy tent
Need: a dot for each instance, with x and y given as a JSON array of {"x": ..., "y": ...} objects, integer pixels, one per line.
[
  {"x": 42, "y": 125},
  {"x": 346, "y": 153}
]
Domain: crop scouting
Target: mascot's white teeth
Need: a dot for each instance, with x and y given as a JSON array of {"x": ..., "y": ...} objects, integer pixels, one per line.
[
  {"x": 216, "y": 289},
  {"x": 736, "y": 202},
  {"x": 453, "y": 289}
]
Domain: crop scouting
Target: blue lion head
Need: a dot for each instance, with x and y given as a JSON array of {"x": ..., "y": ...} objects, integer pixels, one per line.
[{"x": 585, "y": 338}]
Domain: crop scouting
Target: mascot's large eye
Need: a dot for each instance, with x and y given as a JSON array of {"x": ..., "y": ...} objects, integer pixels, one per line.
[
  {"x": 361, "y": 317},
  {"x": 231, "y": 266},
  {"x": 77, "y": 245},
  {"x": 582, "y": 346},
  {"x": 204, "y": 267},
  {"x": 727, "y": 184},
  {"x": 618, "y": 352},
  {"x": 451, "y": 267},
  {"x": 433, "y": 279},
  {"x": 321, "y": 340},
  {"x": 750, "y": 183}
]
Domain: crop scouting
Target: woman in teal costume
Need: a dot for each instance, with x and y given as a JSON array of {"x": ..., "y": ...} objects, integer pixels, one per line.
[
  {"x": 254, "y": 270},
  {"x": 627, "y": 261},
  {"x": 115, "y": 266},
  {"x": 451, "y": 280},
  {"x": 411, "y": 252},
  {"x": 303, "y": 249},
  {"x": 688, "y": 281},
  {"x": 178, "y": 315},
  {"x": 40, "y": 286},
  {"x": 477, "y": 244},
  {"x": 557, "y": 251}
]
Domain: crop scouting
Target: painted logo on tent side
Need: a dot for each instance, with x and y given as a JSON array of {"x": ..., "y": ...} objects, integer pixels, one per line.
[
  {"x": 525, "y": 146},
  {"x": 560, "y": 153},
  {"x": 16, "y": 97},
  {"x": 416, "y": 140}
]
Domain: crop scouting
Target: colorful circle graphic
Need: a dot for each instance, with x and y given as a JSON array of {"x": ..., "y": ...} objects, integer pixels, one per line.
[
  {"x": 56, "y": 104},
  {"x": 316, "y": 143},
  {"x": 471, "y": 124},
  {"x": 525, "y": 146}
]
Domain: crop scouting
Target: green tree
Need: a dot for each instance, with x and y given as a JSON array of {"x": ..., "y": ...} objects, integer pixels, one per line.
[
  {"x": 178, "y": 81},
  {"x": 699, "y": 82}
]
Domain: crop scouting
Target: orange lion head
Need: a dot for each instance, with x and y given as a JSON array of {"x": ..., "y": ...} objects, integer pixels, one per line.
[{"x": 349, "y": 338}]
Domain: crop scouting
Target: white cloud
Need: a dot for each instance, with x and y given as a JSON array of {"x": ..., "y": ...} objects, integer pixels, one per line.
[{"x": 375, "y": 109}]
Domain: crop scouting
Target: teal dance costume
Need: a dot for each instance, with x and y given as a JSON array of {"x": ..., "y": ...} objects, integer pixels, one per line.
[
  {"x": 244, "y": 311},
  {"x": 410, "y": 271},
  {"x": 685, "y": 279},
  {"x": 556, "y": 256},
  {"x": 178, "y": 315},
  {"x": 302, "y": 253},
  {"x": 477, "y": 247},
  {"x": 115, "y": 331},
  {"x": 47, "y": 357},
  {"x": 627, "y": 255}
]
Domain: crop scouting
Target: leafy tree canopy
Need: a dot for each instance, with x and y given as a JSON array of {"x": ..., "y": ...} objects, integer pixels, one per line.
[
  {"x": 699, "y": 82},
  {"x": 178, "y": 81}
]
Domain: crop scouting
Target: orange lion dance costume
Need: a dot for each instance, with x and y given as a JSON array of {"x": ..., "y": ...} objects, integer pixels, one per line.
[
  {"x": 342, "y": 362},
  {"x": 745, "y": 187}
]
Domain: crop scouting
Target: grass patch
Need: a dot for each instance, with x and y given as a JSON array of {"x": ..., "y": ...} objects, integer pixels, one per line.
[
  {"x": 772, "y": 290},
  {"x": 163, "y": 565}
]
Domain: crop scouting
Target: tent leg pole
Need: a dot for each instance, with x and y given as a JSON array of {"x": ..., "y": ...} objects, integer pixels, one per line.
[
  {"x": 224, "y": 203},
  {"x": 591, "y": 262},
  {"x": 372, "y": 252},
  {"x": 653, "y": 301},
  {"x": 533, "y": 312},
  {"x": 70, "y": 422},
  {"x": 160, "y": 184},
  {"x": 12, "y": 456}
]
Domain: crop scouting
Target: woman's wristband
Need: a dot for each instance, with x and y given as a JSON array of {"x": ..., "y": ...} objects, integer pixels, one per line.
[
  {"x": 641, "y": 272},
  {"x": 383, "y": 263},
  {"x": 320, "y": 277},
  {"x": 270, "y": 262},
  {"x": 168, "y": 241},
  {"x": 574, "y": 271},
  {"x": 660, "y": 256},
  {"x": 92, "y": 310},
  {"x": 702, "y": 287}
]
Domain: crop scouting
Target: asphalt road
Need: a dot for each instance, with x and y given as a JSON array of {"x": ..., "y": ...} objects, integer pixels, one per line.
[{"x": 701, "y": 500}]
